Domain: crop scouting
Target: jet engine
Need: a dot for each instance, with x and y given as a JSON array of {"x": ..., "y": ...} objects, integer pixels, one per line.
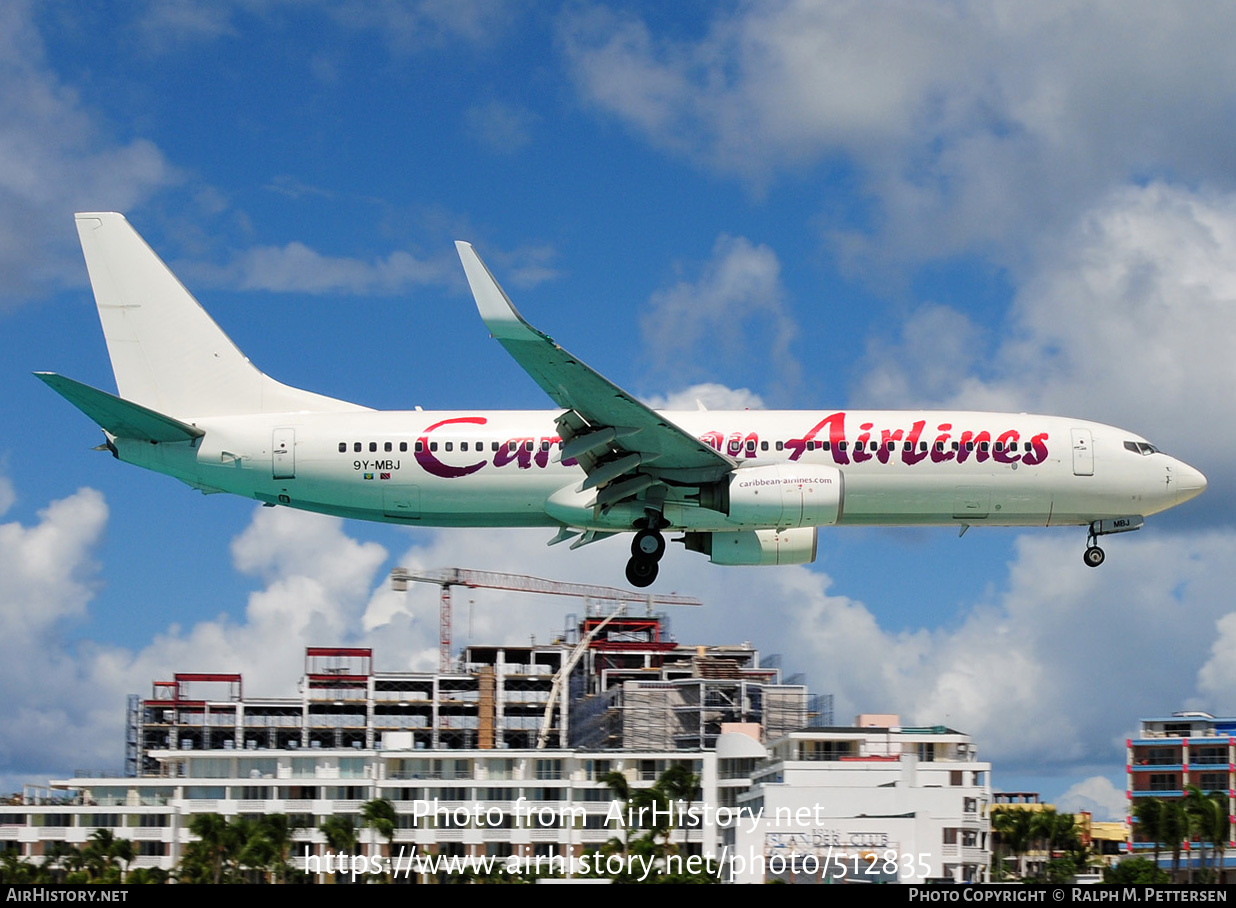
[{"x": 779, "y": 495}]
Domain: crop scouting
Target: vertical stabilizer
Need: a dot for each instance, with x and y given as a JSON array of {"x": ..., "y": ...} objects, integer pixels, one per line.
[{"x": 167, "y": 353}]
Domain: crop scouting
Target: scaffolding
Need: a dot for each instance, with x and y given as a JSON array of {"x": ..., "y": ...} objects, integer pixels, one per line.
[{"x": 619, "y": 682}]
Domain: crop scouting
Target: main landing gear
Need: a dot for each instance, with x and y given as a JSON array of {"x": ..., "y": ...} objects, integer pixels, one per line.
[{"x": 646, "y": 550}]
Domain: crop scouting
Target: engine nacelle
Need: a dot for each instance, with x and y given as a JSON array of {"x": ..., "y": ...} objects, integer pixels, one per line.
[
  {"x": 785, "y": 495},
  {"x": 792, "y": 546}
]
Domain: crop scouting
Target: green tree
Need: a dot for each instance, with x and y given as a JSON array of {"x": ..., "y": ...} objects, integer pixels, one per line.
[
  {"x": 206, "y": 859},
  {"x": 1208, "y": 823},
  {"x": 55, "y": 858},
  {"x": 656, "y": 812},
  {"x": 14, "y": 870},
  {"x": 1173, "y": 829},
  {"x": 379, "y": 815},
  {"x": 1058, "y": 832},
  {"x": 1013, "y": 827},
  {"x": 100, "y": 855},
  {"x": 279, "y": 832},
  {"x": 340, "y": 832},
  {"x": 1135, "y": 871},
  {"x": 1149, "y": 814}
]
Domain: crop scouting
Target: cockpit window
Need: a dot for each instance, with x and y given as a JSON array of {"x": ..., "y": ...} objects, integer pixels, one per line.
[{"x": 1141, "y": 447}]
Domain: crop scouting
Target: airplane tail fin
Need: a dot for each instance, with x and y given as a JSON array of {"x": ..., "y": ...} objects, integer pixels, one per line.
[{"x": 167, "y": 353}]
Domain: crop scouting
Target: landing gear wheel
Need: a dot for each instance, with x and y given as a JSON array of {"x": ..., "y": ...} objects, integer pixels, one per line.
[
  {"x": 1093, "y": 556},
  {"x": 649, "y": 544},
  {"x": 641, "y": 572}
]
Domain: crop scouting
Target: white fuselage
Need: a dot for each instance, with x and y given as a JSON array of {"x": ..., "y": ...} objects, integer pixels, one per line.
[{"x": 476, "y": 468}]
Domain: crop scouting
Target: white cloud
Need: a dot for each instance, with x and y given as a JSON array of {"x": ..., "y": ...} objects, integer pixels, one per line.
[
  {"x": 712, "y": 395},
  {"x": 502, "y": 128},
  {"x": 55, "y": 157},
  {"x": 49, "y": 578},
  {"x": 164, "y": 24},
  {"x": 1099, "y": 796},
  {"x": 47, "y": 569},
  {"x": 408, "y": 27},
  {"x": 1217, "y": 678},
  {"x": 1128, "y": 318},
  {"x": 7, "y": 495},
  {"x": 971, "y": 127},
  {"x": 1008, "y": 670},
  {"x": 735, "y": 310},
  {"x": 295, "y": 268}
]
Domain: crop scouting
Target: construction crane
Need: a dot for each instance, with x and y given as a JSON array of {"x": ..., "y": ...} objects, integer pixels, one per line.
[
  {"x": 520, "y": 583},
  {"x": 564, "y": 672}
]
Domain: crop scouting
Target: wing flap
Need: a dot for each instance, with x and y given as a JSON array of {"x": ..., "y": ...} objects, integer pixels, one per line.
[{"x": 117, "y": 416}]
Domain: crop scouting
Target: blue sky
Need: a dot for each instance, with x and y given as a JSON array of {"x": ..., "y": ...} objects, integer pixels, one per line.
[{"x": 891, "y": 204}]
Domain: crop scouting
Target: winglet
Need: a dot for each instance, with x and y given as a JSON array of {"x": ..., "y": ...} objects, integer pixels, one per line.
[{"x": 497, "y": 311}]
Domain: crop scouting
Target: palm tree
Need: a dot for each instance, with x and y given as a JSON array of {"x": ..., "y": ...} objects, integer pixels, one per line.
[
  {"x": 98, "y": 854},
  {"x": 1149, "y": 813},
  {"x": 124, "y": 852},
  {"x": 216, "y": 843},
  {"x": 621, "y": 790},
  {"x": 379, "y": 814},
  {"x": 1208, "y": 820},
  {"x": 278, "y": 831},
  {"x": 340, "y": 834},
  {"x": 257, "y": 852},
  {"x": 680, "y": 788},
  {"x": 1015, "y": 828},
  {"x": 13, "y": 869},
  {"x": 1173, "y": 829},
  {"x": 1058, "y": 832},
  {"x": 54, "y": 853},
  {"x": 1223, "y": 831}
]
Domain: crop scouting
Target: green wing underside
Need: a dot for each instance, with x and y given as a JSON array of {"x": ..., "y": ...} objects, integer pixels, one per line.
[
  {"x": 119, "y": 417},
  {"x": 595, "y": 404}
]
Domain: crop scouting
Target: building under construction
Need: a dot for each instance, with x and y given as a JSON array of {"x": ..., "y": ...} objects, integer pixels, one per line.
[
  {"x": 629, "y": 687},
  {"x": 510, "y": 732}
]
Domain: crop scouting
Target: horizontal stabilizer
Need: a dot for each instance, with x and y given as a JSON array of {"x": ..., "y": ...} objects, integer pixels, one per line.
[{"x": 117, "y": 416}]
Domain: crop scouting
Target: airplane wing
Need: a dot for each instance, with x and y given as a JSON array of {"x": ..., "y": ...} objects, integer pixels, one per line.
[{"x": 618, "y": 440}]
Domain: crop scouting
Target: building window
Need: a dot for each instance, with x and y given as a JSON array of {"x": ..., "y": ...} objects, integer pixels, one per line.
[
  {"x": 825, "y": 750},
  {"x": 1212, "y": 781},
  {"x": 1163, "y": 756},
  {"x": 1208, "y": 756},
  {"x": 549, "y": 769}
]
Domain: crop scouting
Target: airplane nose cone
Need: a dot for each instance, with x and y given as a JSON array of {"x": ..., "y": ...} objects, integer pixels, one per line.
[{"x": 1189, "y": 482}]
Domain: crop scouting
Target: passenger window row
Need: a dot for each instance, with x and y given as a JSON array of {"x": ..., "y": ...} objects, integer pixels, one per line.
[{"x": 389, "y": 447}]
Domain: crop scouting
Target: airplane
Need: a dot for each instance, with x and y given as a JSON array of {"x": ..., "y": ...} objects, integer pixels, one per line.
[{"x": 743, "y": 487}]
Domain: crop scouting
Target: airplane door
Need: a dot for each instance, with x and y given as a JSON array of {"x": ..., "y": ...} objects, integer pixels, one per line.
[
  {"x": 1083, "y": 453},
  {"x": 283, "y": 454}
]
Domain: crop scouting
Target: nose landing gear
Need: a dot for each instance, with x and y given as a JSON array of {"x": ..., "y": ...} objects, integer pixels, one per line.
[{"x": 1093, "y": 556}]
